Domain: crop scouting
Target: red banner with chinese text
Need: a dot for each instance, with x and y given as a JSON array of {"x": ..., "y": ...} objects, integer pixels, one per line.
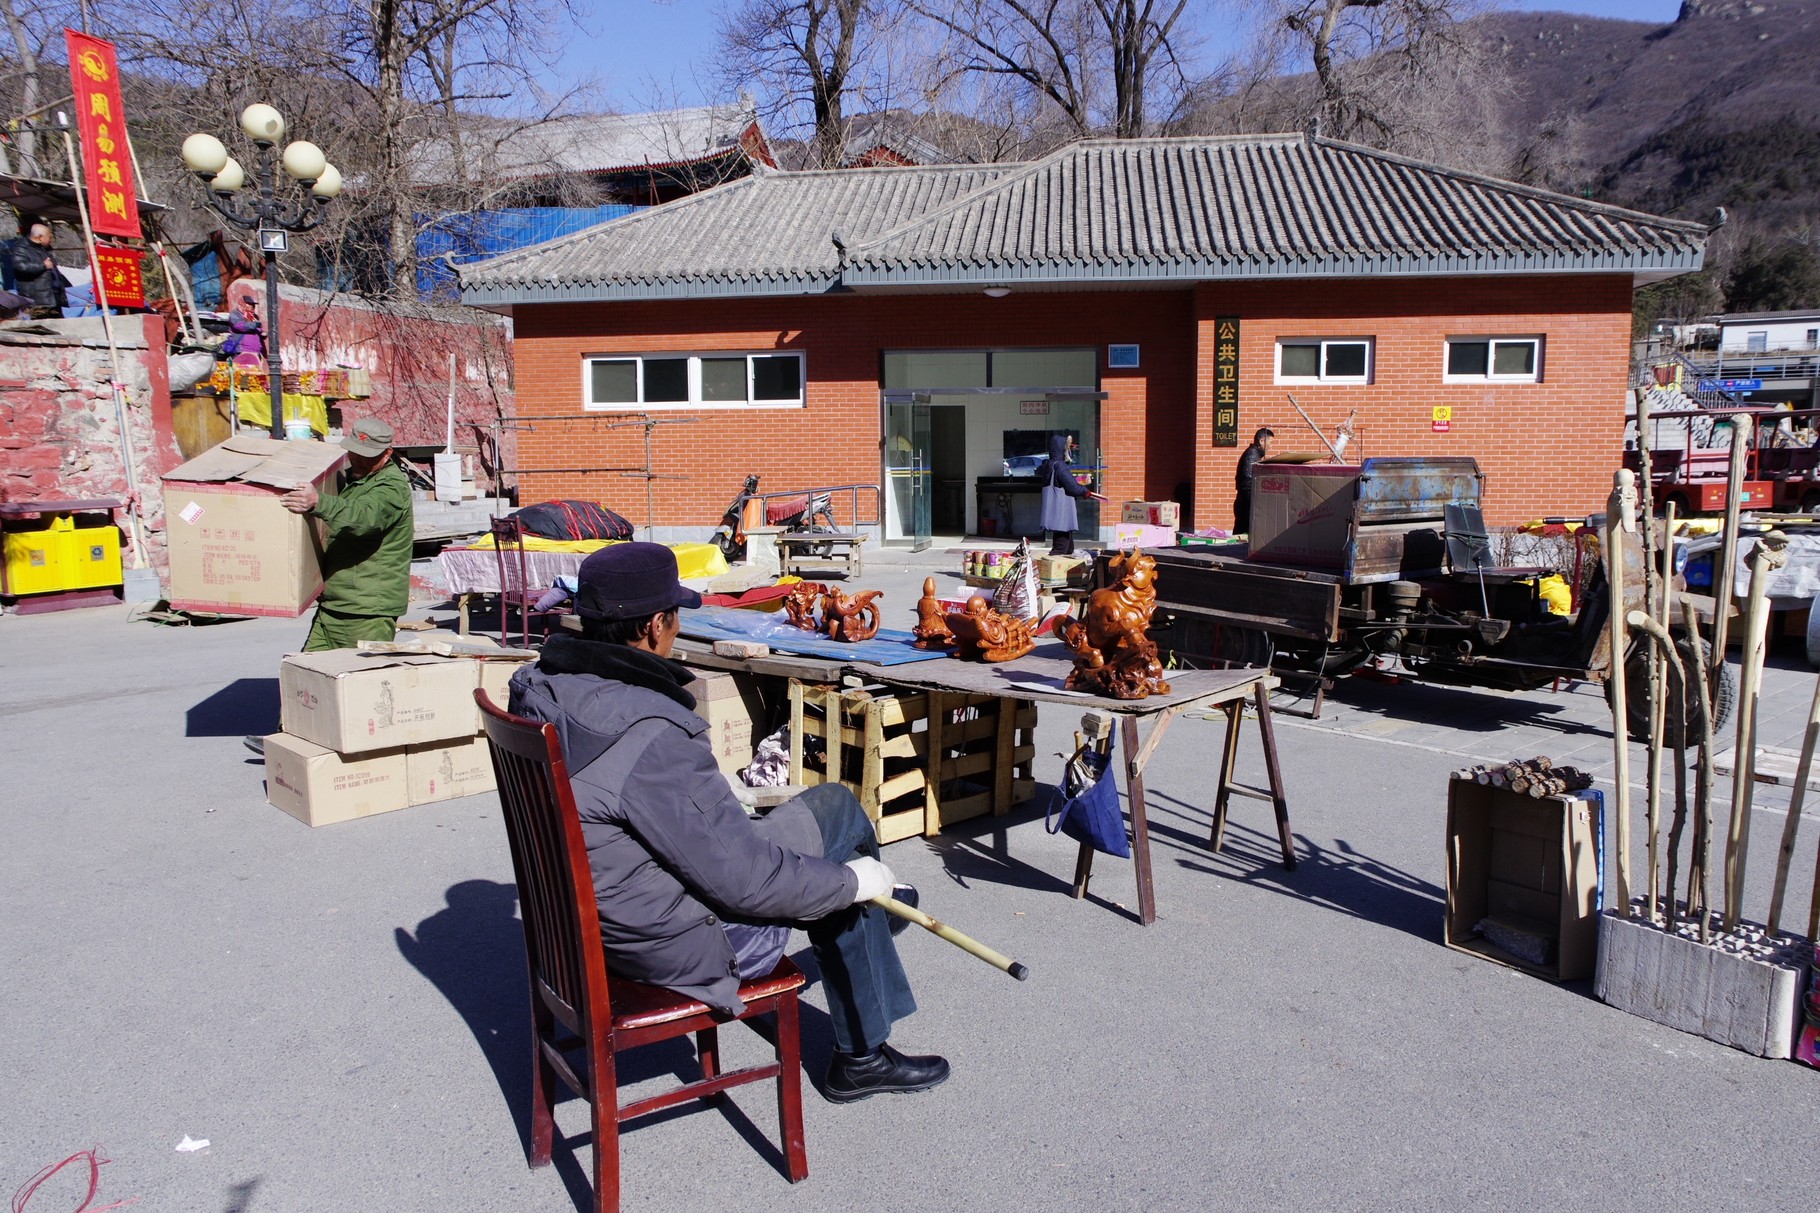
[
  {"x": 100, "y": 116},
  {"x": 117, "y": 277}
]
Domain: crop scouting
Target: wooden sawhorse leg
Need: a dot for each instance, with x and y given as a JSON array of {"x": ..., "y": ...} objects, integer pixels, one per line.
[
  {"x": 1235, "y": 715},
  {"x": 1136, "y": 759}
]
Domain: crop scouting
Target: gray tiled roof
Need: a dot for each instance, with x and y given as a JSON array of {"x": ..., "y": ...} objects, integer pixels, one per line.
[
  {"x": 768, "y": 234},
  {"x": 1099, "y": 211}
]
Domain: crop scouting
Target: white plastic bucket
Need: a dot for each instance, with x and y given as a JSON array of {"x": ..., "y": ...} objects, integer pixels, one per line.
[{"x": 298, "y": 428}]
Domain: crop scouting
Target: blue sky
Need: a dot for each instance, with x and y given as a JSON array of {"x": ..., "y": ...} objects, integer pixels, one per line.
[{"x": 647, "y": 54}]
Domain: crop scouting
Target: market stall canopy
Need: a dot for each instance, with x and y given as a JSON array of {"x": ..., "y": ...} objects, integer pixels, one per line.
[{"x": 52, "y": 200}]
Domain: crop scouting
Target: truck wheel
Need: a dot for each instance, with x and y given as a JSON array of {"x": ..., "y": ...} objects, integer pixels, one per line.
[
  {"x": 1636, "y": 692},
  {"x": 1810, "y": 502}
]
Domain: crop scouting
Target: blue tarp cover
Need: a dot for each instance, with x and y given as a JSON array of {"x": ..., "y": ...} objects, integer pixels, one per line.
[
  {"x": 471, "y": 237},
  {"x": 731, "y": 623}
]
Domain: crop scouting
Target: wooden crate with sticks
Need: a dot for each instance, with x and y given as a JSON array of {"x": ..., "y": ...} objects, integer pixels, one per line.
[{"x": 917, "y": 760}]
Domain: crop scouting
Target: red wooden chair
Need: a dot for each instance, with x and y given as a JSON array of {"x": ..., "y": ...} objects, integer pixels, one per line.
[
  {"x": 571, "y": 988},
  {"x": 515, "y": 589}
]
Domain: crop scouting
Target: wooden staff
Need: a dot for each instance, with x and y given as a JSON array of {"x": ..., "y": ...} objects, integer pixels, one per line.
[
  {"x": 1802, "y": 770},
  {"x": 965, "y": 943},
  {"x": 1620, "y": 518},
  {"x": 1770, "y": 553},
  {"x": 1724, "y": 571},
  {"x": 1658, "y": 608},
  {"x": 1703, "y": 778},
  {"x": 1662, "y": 650}
]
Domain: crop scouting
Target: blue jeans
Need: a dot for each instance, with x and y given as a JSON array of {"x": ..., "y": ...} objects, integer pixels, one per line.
[{"x": 862, "y": 977}]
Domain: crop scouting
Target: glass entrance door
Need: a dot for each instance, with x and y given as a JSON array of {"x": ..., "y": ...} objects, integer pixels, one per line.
[{"x": 908, "y": 439}]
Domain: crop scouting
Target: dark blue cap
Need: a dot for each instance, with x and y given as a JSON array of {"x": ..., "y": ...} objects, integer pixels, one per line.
[{"x": 630, "y": 581}]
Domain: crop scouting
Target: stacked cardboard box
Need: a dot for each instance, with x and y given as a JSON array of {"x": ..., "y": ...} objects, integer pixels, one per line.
[{"x": 368, "y": 733}]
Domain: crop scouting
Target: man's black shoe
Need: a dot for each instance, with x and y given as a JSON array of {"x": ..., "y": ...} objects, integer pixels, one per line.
[
  {"x": 887, "y": 1070},
  {"x": 907, "y": 894}
]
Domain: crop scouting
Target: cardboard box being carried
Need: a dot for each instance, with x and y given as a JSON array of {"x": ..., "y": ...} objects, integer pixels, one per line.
[
  {"x": 353, "y": 702},
  {"x": 444, "y": 770},
  {"x": 1153, "y": 513},
  {"x": 735, "y": 711},
  {"x": 320, "y": 787},
  {"x": 234, "y": 549}
]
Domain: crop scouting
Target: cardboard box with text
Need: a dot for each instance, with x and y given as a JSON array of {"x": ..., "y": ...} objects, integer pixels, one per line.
[
  {"x": 320, "y": 787},
  {"x": 444, "y": 770},
  {"x": 736, "y": 715},
  {"x": 234, "y": 549},
  {"x": 353, "y": 702}
]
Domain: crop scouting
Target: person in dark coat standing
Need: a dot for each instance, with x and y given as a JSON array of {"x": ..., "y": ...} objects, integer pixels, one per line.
[
  {"x": 1248, "y": 462},
  {"x": 36, "y": 272},
  {"x": 1060, "y": 491},
  {"x": 694, "y": 895}
]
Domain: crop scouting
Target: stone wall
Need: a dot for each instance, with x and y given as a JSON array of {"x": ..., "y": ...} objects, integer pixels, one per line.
[{"x": 60, "y": 432}]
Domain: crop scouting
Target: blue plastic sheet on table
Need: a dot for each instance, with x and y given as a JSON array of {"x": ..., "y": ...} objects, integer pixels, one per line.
[{"x": 730, "y": 623}]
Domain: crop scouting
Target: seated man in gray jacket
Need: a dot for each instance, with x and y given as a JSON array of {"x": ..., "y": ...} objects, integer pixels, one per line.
[{"x": 694, "y": 895}]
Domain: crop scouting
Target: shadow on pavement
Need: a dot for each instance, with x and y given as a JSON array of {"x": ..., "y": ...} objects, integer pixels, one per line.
[
  {"x": 473, "y": 951},
  {"x": 1339, "y": 877},
  {"x": 1468, "y": 710},
  {"x": 245, "y": 707}
]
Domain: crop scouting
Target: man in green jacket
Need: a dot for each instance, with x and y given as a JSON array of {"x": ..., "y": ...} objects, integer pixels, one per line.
[{"x": 366, "y": 579}]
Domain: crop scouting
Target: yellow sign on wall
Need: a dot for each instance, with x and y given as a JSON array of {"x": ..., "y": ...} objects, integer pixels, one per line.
[{"x": 1443, "y": 412}]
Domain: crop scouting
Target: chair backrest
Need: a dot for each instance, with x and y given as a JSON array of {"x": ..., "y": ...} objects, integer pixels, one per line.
[
  {"x": 555, "y": 884},
  {"x": 509, "y": 550},
  {"x": 1468, "y": 543}
]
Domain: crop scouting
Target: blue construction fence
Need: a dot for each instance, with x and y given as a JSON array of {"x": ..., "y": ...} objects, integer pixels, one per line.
[{"x": 458, "y": 238}]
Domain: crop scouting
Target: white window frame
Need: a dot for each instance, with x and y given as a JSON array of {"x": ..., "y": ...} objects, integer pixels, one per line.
[
  {"x": 1321, "y": 343},
  {"x": 695, "y": 401},
  {"x": 1491, "y": 340}
]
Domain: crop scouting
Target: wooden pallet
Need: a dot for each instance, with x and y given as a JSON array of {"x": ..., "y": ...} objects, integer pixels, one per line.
[{"x": 916, "y": 760}]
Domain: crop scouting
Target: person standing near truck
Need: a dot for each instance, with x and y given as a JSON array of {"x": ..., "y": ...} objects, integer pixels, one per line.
[
  {"x": 1248, "y": 462},
  {"x": 366, "y": 565}
]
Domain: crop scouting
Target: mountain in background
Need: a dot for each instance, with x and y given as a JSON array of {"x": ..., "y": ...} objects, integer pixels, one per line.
[{"x": 1721, "y": 108}]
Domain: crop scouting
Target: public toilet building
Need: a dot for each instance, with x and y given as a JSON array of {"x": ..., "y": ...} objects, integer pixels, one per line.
[{"x": 926, "y": 328}]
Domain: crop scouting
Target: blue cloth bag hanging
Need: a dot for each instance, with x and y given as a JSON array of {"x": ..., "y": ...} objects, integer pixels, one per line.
[{"x": 1093, "y": 816}]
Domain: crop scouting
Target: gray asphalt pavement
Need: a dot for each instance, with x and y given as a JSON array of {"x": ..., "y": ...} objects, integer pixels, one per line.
[{"x": 341, "y": 1012}]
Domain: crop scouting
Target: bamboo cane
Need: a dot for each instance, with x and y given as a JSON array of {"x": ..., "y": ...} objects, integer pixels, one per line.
[
  {"x": 1724, "y": 571},
  {"x": 1620, "y": 517},
  {"x": 1802, "y": 770},
  {"x": 1770, "y": 553},
  {"x": 965, "y": 943},
  {"x": 1703, "y": 778}
]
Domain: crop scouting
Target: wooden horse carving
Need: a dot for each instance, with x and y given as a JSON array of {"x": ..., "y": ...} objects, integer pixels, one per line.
[
  {"x": 1113, "y": 655},
  {"x": 931, "y": 630},
  {"x": 850, "y": 618},
  {"x": 982, "y": 634}
]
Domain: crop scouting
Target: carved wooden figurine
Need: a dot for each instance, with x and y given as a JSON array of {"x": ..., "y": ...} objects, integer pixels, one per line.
[
  {"x": 850, "y": 618},
  {"x": 931, "y": 630},
  {"x": 1113, "y": 655},
  {"x": 800, "y": 606},
  {"x": 982, "y": 634}
]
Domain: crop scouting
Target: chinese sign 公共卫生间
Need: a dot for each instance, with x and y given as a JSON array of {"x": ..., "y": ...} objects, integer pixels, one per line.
[
  {"x": 1226, "y": 381},
  {"x": 101, "y": 119}
]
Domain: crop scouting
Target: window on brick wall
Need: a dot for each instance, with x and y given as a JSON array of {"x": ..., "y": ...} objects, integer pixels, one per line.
[
  {"x": 1324, "y": 360},
  {"x": 1493, "y": 360},
  {"x": 674, "y": 381}
]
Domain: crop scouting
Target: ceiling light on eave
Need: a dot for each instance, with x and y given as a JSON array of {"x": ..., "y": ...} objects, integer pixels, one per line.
[{"x": 997, "y": 292}]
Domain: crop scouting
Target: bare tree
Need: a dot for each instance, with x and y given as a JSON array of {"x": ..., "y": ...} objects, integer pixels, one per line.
[
  {"x": 1094, "y": 60},
  {"x": 813, "y": 56},
  {"x": 1406, "y": 75}
]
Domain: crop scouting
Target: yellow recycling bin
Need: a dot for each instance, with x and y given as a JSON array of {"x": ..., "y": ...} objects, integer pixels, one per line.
[{"x": 61, "y": 551}]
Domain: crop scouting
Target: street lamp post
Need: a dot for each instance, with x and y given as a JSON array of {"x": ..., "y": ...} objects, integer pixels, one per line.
[{"x": 274, "y": 218}]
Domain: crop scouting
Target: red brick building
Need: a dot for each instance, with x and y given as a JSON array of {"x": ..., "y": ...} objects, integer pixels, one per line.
[{"x": 925, "y": 328}]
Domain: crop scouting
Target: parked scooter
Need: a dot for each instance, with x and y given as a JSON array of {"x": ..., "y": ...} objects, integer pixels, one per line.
[{"x": 797, "y": 514}]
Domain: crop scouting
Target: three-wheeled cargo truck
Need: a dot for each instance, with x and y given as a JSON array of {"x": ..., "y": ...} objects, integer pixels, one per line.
[{"x": 1387, "y": 565}]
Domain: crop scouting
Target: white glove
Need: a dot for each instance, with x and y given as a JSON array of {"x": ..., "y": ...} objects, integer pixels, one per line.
[
  {"x": 875, "y": 879},
  {"x": 747, "y": 797}
]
